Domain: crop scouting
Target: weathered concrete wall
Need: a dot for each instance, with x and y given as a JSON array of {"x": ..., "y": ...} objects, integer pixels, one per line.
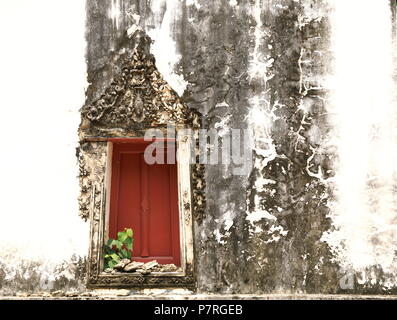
[
  {"x": 304, "y": 215},
  {"x": 265, "y": 66}
]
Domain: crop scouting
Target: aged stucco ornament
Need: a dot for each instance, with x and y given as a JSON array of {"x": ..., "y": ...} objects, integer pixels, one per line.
[
  {"x": 139, "y": 94},
  {"x": 137, "y": 99},
  {"x": 92, "y": 167}
]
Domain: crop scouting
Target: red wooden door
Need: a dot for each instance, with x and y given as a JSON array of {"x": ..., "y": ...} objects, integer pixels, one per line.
[{"x": 144, "y": 197}]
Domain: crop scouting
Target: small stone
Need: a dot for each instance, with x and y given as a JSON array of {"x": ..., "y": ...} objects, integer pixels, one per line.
[
  {"x": 168, "y": 268},
  {"x": 22, "y": 294},
  {"x": 108, "y": 270},
  {"x": 150, "y": 265},
  {"x": 123, "y": 293},
  {"x": 58, "y": 293},
  {"x": 144, "y": 271},
  {"x": 133, "y": 266},
  {"x": 156, "y": 268},
  {"x": 72, "y": 294},
  {"x": 122, "y": 264},
  {"x": 86, "y": 294}
]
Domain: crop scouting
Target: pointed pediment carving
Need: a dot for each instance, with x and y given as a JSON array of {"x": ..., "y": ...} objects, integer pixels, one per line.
[{"x": 138, "y": 94}]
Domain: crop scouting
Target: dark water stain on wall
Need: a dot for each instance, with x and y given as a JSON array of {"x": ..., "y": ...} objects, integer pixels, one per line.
[
  {"x": 300, "y": 261},
  {"x": 215, "y": 62}
]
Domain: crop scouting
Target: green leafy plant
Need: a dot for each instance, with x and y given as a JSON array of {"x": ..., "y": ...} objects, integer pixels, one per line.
[{"x": 115, "y": 250}]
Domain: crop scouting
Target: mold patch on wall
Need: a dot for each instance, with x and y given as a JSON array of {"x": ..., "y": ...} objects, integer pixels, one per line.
[
  {"x": 287, "y": 202},
  {"x": 30, "y": 275}
]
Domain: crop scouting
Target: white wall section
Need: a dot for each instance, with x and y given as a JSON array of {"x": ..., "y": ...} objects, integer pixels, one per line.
[
  {"x": 42, "y": 88},
  {"x": 364, "y": 114}
]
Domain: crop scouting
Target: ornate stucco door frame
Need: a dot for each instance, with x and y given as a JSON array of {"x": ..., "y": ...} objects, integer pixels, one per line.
[
  {"x": 99, "y": 225},
  {"x": 137, "y": 99}
]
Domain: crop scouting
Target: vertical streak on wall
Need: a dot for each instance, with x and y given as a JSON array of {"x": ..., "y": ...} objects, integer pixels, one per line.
[
  {"x": 115, "y": 12},
  {"x": 364, "y": 117},
  {"x": 260, "y": 117}
]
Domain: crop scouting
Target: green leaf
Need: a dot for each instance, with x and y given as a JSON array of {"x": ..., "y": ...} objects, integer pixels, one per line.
[
  {"x": 128, "y": 243},
  {"x": 124, "y": 253},
  {"x": 115, "y": 257},
  {"x": 117, "y": 243},
  {"x": 120, "y": 248},
  {"x": 109, "y": 250},
  {"x": 129, "y": 232},
  {"x": 121, "y": 236}
]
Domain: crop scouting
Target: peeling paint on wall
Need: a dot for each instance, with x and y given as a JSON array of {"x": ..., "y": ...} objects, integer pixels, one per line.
[
  {"x": 260, "y": 117},
  {"x": 164, "y": 46}
]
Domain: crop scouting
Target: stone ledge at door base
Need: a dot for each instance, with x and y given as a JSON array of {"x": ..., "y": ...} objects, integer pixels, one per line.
[{"x": 131, "y": 280}]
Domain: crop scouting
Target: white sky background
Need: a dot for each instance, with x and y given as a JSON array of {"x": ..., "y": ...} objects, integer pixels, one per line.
[{"x": 42, "y": 83}]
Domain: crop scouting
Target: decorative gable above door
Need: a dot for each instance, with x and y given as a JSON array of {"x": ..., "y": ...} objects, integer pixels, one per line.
[{"x": 138, "y": 98}]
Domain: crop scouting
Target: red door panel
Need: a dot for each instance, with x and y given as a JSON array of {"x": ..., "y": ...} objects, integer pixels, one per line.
[{"x": 144, "y": 197}]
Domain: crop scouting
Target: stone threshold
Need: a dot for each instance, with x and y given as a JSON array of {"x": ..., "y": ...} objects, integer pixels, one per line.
[{"x": 128, "y": 296}]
